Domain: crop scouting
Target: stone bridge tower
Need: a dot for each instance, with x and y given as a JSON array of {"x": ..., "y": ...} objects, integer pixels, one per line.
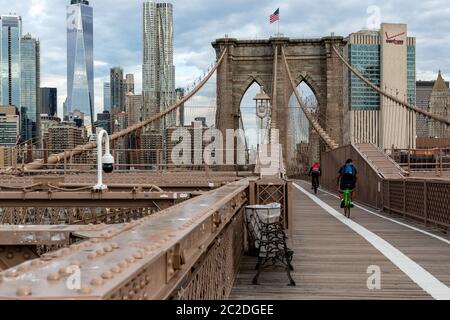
[{"x": 310, "y": 60}]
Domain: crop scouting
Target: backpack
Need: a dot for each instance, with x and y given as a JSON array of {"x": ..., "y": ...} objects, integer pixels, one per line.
[
  {"x": 316, "y": 168},
  {"x": 348, "y": 169}
]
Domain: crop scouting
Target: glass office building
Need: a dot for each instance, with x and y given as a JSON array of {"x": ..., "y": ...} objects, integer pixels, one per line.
[
  {"x": 387, "y": 58},
  {"x": 48, "y": 101},
  {"x": 10, "y": 34},
  {"x": 80, "y": 59},
  {"x": 29, "y": 78},
  {"x": 366, "y": 58},
  {"x": 106, "y": 96},
  {"x": 158, "y": 70}
]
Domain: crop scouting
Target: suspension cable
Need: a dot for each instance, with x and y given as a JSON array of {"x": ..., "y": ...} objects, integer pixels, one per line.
[{"x": 317, "y": 127}]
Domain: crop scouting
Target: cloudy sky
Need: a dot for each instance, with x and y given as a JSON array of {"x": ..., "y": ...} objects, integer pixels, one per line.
[{"x": 117, "y": 31}]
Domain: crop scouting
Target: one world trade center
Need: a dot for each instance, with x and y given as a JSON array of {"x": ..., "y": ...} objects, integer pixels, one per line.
[{"x": 80, "y": 60}]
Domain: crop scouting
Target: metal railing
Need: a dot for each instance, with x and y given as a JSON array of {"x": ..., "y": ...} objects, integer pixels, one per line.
[
  {"x": 421, "y": 199},
  {"x": 125, "y": 160},
  {"x": 435, "y": 160}
]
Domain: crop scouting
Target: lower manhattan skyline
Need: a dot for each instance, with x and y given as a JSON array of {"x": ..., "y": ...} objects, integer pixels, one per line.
[{"x": 113, "y": 45}]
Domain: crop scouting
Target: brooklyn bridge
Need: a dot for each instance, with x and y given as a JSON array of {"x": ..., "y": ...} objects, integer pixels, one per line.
[{"x": 181, "y": 231}]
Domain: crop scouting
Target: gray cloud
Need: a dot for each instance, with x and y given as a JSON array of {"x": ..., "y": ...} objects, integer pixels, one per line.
[{"x": 117, "y": 31}]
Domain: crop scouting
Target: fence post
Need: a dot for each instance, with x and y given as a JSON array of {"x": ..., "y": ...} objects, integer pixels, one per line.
[
  {"x": 404, "y": 198},
  {"x": 409, "y": 160},
  {"x": 440, "y": 161},
  {"x": 436, "y": 156},
  {"x": 389, "y": 196},
  {"x": 425, "y": 202}
]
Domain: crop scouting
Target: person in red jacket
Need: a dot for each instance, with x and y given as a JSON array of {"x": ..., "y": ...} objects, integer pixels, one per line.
[{"x": 315, "y": 172}]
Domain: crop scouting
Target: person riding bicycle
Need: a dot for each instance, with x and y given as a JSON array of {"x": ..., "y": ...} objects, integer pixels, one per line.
[
  {"x": 348, "y": 176},
  {"x": 315, "y": 172}
]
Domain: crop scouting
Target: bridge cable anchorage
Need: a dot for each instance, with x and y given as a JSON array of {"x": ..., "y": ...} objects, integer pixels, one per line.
[
  {"x": 317, "y": 127},
  {"x": 56, "y": 158},
  {"x": 391, "y": 97}
]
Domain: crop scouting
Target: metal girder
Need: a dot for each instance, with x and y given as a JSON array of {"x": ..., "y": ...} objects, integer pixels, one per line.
[
  {"x": 111, "y": 199},
  {"x": 147, "y": 261}
]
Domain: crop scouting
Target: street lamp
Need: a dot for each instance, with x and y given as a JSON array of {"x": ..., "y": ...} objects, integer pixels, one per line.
[{"x": 262, "y": 101}]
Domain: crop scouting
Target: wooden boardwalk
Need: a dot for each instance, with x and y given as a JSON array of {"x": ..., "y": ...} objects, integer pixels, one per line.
[{"x": 331, "y": 259}]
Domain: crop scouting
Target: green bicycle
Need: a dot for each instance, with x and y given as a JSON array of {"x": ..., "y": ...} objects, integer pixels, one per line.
[{"x": 347, "y": 202}]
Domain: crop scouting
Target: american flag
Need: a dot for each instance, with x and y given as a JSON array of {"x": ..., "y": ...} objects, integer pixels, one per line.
[{"x": 275, "y": 16}]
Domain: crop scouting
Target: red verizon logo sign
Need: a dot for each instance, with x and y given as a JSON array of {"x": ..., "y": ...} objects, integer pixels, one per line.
[{"x": 391, "y": 39}]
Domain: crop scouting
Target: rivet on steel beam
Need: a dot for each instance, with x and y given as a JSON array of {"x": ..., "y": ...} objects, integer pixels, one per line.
[
  {"x": 23, "y": 292},
  {"x": 138, "y": 255},
  {"x": 23, "y": 268},
  {"x": 11, "y": 273},
  {"x": 123, "y": 264},
  {"x": 131, "y": 259},
  {"x": 63, "y": 272},
  {"x": 115, "y": 245},
  {"x": 116, "y": 269},
  {"x": 107, "y": 275},
  {"x": 10, "y": 255},
  {"x": 100, "y": 252},
  {"x": 84, "y": 290},
  {"x": 53, "y": 276},
  {"x": 97, "y": 281},
  {"x": 76, "y": 263},
  {"x": 92, "y": 256},
  {"x": 108, "y": 249},
  {"x": 26, "y": 255},
  {"x": 35, "y": 263},
  {"x": 65, "y": 251}
]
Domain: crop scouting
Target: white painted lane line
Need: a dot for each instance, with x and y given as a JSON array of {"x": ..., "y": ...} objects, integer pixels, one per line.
[
  {"x": 395, "y": 221},
  {"x": 415, "y": 272}
]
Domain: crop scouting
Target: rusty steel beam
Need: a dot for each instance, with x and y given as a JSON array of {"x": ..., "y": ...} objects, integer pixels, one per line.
[
  {"x": 147, "y": 261},
  {"x": 110, "y": 199}
]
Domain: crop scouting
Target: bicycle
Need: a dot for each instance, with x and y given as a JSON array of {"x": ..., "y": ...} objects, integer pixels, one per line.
[
  {"x": 347, "y": 202},
  {"x": 315, "y": 185}
]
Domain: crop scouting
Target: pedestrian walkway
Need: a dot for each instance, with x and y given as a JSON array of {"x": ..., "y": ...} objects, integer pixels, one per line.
[{"x": 335, "y": 258}]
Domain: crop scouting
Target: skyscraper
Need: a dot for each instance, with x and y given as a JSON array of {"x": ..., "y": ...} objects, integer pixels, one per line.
[
  {"x": 386, "y": 57},
  {"x": 158, "y": 71},
  {"x": 80, "y": 59},
  {"x": 106, "y": 96},
  {"x": 117, "y": 91},
  {"x": 424, "y": 90},
  {"x": 48, "y": 101},
  {"x": 439, "y": 105},
  {"x": 30, "y": 83},
  {"x": 11, "y": 32},
  {"x": 129, "y": 83}
]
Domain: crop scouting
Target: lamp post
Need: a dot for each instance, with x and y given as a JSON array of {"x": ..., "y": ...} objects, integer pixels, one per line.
[{"x": 262, "y": 101}]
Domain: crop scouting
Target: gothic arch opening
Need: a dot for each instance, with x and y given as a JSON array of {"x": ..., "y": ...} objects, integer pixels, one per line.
[
  {"x": 250, "y": 123},
  {"x": 301, "y": 138}
]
